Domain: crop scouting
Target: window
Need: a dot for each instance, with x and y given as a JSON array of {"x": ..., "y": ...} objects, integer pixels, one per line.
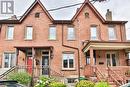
[
  {"x": 129, "y": 55},
  {"x": 111, "y": 33},
  {"x": 37, "y": 15},
  {"x": 128, "y": 33},
  {"x": 10, "y": 32},
  {"x": 9, "y": 60},
  {"x": 71, "y": 33},
  {"x": 94, "y": 33},
  {"x": 68, "y": 60},
  {"x": 71, "y": 80},
  {"x": 52, "y": 33},
  {"x": 29, "y": 33}
]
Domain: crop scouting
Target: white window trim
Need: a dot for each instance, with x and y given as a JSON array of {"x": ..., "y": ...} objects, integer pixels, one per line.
[
  {"x": 26, "y": 33},
  {"x": 73, "y": 33},
  {"x": 7, "y": 30},
  {"x": 114, "y": 33},
  {"x": 91, "y": 33},
  {"x": 68, "y": 62},
  {"x": 55, "y": 33},
  {"x": 3, "y": 61}
]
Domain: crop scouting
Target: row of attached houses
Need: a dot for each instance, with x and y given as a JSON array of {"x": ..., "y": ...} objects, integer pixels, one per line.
[{"x": 85, "y": 46}]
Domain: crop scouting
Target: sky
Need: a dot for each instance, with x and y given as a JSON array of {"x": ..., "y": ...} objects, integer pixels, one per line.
[{"x": 120, "y": 9}]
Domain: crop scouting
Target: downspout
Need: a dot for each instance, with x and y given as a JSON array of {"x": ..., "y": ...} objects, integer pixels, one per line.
[
  {"x": 0, "y": 41},
  {"x": 71, "y": 48}
]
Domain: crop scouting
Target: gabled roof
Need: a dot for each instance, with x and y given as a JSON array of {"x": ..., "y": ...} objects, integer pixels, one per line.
[
  {"x": 61, "y": 21},
  {"x": 32, "y": 6},
  {"x": 87, "y": 2},
  {"x": 7, "y": 21}
]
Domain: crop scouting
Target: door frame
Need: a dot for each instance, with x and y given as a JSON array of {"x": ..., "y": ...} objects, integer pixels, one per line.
[{"x": 116, "y": 57}]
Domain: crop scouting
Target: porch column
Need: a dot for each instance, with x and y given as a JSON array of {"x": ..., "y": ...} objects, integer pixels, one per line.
[
  {"x": 91, "y": 56},
  {"x": 33, "y": 55},
  {"x": 17, "y": 53}
]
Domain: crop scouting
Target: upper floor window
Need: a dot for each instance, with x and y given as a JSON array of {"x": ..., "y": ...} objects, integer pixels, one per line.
[
  {"x": 29, "y": 33},
  {"x": 111, "y": 33},
  {"x": 93, "y": 33},
  {"x": 71, "y": 33},
  {"x": 68, "y": 60},
  {"x": 37, "y": 15},
  {"x": 128, "y": 33},
  {"x": 10, "y": 33},
  {"x": 129, "y": 55},
  {"x": 52, "y": 33}
]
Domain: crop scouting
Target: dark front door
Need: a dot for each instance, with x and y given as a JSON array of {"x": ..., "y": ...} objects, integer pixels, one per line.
[{"x": 45, "y": 65}]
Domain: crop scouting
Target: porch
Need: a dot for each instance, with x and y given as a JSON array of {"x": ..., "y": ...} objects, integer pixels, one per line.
[
  {"x": 36, "y": 59},
  {"x": 107, "y": 61}
]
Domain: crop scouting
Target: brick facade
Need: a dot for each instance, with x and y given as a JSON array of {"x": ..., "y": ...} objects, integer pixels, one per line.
[{"x": 81, "y": 25}]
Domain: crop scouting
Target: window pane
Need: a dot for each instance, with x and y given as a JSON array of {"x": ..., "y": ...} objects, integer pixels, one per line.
[
  {"x": 52, "y": 33},
  {"x": 13, "y": 59},
  {"x": 65, "y": 63},
  {"x": 93, "y": 33},
  {"x": 71, "y": 33},
  {"x": 6, "y": 61},
  {"x": 71, "y": 63},
  {"x": 10, "y": 32},
  {"x": 111, "y": 32},
  {"x": 29, "y": 33}
]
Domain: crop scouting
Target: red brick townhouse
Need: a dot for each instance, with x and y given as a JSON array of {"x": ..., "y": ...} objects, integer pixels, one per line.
[{"x": 87, "y": 45}]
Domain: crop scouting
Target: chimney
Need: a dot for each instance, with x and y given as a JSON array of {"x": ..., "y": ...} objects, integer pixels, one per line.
[
  {"x": 109, "y": 15},
  {"x": 14, "y": 17}
]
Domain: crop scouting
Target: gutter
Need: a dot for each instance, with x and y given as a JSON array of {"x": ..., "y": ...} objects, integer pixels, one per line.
[{"x": 71, "y": 48}]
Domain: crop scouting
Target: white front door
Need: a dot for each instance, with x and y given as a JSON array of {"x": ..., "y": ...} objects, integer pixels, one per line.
[
  {"x": 9, "y": 60},
  {"x": 112, "y": 59}
]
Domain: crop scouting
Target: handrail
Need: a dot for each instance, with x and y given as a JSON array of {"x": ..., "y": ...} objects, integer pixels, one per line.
[
  {"x": 115, "y": 80},
  {"x": 98, "y": 71},
  {"x": 7, "y": 72},
  {"x": 115, "y": 74}
]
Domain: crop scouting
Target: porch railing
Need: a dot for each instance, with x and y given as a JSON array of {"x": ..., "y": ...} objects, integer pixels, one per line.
[
  {"x": 100, "y": 76},
  {"x": 116, "y": 77},
  {"x": 37, "y": 71}
]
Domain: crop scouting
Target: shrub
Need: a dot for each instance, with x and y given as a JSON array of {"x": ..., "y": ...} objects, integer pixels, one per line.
[
  {"x": 85, "y": 83},
  {"x": 102, "y": 84},
  {"x": 22, "y": 77},
  {"x": 44, "y": 81},
  {"x": 57, "y": 84}
]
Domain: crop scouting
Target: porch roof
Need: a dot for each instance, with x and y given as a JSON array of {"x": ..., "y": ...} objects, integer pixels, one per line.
[
  {"x": 100, "y": 45},
  {"x": 35, "y": 47}
]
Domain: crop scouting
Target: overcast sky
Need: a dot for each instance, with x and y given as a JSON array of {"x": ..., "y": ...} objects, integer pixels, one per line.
[{"x": 120, "y": 9}]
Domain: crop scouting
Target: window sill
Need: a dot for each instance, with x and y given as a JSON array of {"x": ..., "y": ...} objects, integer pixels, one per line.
[
  {"x": 28, "y": 39},
  {"x": 113, "y": 40},
  {"x": 9, "y": 39},
  {"x": 71, "y": 40},
  {"x": 52, "y": 40},
  {"x": 68, "y": 69},
  {"x": 94, "y": 40}
]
